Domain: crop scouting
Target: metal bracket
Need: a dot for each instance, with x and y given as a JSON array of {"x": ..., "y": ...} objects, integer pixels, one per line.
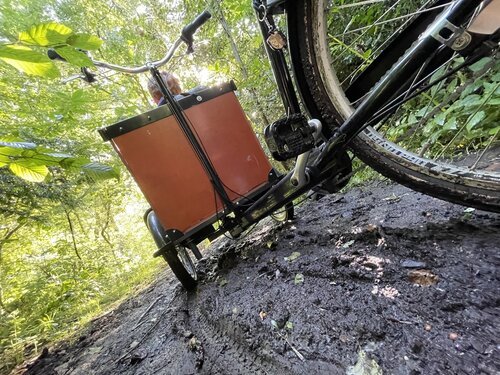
[{"x": 458, "y": 38}]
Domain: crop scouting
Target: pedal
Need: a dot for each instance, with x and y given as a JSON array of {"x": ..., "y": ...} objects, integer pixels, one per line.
[{"x": 289, "y": 137}]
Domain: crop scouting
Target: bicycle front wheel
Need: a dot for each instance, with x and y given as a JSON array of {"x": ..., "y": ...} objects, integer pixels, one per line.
[{"x": 443, "y": 141}]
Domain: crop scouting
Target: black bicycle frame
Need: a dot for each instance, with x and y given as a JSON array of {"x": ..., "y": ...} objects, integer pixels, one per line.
[
  {"x": 277, "y": 59},
  {"x": 284, "y": 192}
]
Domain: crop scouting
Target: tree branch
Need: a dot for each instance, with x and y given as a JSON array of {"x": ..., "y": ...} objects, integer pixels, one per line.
[{"x": 72, "y": 233}]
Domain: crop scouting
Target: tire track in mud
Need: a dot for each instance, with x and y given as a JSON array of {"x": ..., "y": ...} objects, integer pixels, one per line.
[
  {"x": 241, "y": 346},
  {"x": 230, "y": 347},
  {"x": 226, "y": 347}
]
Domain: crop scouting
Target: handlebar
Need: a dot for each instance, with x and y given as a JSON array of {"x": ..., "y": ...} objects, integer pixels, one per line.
[
  {"x": 189, "y": 30},
  {"x": 186, "y": 37},
  {"x": 143, "y": 68}
]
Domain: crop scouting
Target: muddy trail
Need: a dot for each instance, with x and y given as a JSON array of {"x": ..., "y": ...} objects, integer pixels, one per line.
[{"x": 377, "y": 280}]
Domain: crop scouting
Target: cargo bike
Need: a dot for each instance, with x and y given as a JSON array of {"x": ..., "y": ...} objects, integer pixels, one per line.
[
  {"x": 199, "y": 164},
  {"x": 204, "y": 173}
]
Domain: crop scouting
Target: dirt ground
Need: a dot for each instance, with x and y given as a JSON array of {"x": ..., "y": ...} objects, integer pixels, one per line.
[{"x": 377, "y": 280}]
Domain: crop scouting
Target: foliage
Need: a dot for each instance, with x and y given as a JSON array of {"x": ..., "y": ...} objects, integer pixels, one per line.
[
  {"x": 23, "y": 57},
  {"x": 26, "y": 159},
  {"x": 356, "y": 32},
  {"x": 466, "y": 115},
  {"x": 30, "y": 162}
]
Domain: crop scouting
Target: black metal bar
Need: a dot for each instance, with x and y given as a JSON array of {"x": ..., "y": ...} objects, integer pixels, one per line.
[
  {"x": 198, "y": 149},
  {"x": 278, "y": 196},
  {"x": 285, "y": 192},
  {"x": 278, "y": 64}
]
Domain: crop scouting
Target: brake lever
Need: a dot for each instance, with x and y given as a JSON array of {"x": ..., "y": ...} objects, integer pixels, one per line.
[{"x": 88, "y": 76}]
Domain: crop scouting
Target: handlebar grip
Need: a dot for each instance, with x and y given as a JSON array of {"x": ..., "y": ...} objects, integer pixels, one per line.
[
  {"x": 53, "y": 55},
  {"x": 189, "y": 30}
]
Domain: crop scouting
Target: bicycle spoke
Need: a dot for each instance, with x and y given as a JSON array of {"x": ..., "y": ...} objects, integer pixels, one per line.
[
  {"x": 380, "y": 47},
  {"x": 352, "y": 46},
  {"x": 395, "y": 19},
  {"x": 490, "y": 142},
  {"x": 359, "y": 4}
]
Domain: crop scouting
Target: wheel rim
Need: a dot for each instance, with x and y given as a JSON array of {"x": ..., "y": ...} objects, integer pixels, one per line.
[
  {"x": 186, "y": 261},
  {"x": 471, "y": 175}
]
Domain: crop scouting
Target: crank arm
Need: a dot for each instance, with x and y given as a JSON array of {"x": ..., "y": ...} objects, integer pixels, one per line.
[{"x": 299, "y": 176}]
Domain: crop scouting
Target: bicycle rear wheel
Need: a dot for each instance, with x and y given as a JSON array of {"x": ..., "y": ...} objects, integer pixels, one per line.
[{"x": 444, "y": 142}]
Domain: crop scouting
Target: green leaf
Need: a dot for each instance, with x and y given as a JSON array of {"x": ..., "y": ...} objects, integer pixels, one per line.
[
  {"x": 412, "y": 119},
  {"x": 4, "y": 160},
  {"x": 50, "y": 158},
  {"x": 58, "y": 155},
  {"x": 45, "y": 35},
  {"x": 29, "y": 171},
  {"x": 289, "y": 325},
  {"x": 299, "y": 279},
  {"x": 348, "y": 244},
  {"x": 474, "y": 120},
  {"x": 471, "y": 88},
  {"x": 480, "y": 64},
  {"x": 437, "y": 74},
  {"x": 84, "y": 41},
  {"x": 74, "y": 56},
  {"x": 79, "y": 98},
  {"x": 11, "y": 151},
  {"x": 271, "y": 244},
  {"x": 74, "y": 164},
  {"x": 28, "y": 61},
  {"x": 99, "y": 172},
  {"x": 440, "y": 119},
  {"x": 452, "y": 86},
  {"x": 293, "y": 256},
  {"x": 494, "y": 131},
  {"x": 364, "y": 366},
  {"x": 451, "y": 124},
  {"x": 423, "y": 111},
  {"x": 470, "y": 101},
  {"x": 490, "y": 88}
]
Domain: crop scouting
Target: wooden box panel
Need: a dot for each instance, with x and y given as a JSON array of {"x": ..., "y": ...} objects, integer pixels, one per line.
[{"x": 169, "y": 173}]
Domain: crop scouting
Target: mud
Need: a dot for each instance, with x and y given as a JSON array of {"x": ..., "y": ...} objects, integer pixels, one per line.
[{"x": 378, "y": 280}]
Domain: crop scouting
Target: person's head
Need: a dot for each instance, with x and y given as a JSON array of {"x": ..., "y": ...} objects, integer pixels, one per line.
[{"x": 173, "y": 86}]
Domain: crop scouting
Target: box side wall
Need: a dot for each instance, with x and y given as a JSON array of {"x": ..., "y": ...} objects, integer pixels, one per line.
[{"x": 172, "y": 178}]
